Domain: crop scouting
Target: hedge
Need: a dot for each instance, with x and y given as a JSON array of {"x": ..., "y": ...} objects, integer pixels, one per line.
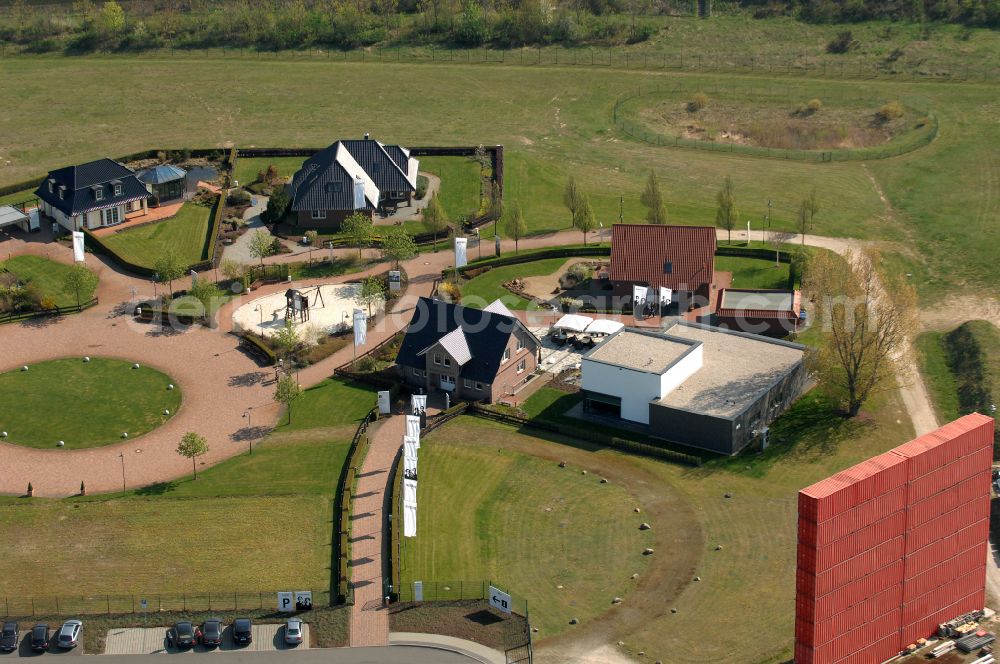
[
  {"x": 517, "y": 259},
  {"x": 655, "y": 451},
  {"x": 260, "y": 344}
]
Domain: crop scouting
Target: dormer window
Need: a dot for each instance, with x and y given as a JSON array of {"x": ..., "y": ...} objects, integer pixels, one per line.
[
  {"x": 118, "y": 190},
  {"x": 62, "y": 193},
  {"x": 51, "y": 185},
  {"x": 98, "y": 193},
  {"x": 668, "y": 268}
]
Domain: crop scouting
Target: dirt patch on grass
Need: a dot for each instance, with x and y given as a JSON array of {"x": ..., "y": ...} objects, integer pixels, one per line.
[
  {"x": 472, "y": 620},
  {"x": 772, "y": 124}
]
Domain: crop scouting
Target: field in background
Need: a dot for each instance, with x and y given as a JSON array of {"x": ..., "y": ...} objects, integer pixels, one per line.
[{"x": 186, "y": 233}]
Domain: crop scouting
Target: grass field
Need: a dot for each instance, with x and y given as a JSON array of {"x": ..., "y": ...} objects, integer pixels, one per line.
[
  {"x": 86, "y": 404},
  {"x": 756, "y": 527},
  {"x": 48, "y": 276},
  {"x": 186, "y": 233},
  {"x": 460, "y": 184},
  {"x": 17, "y": 197},
  {"x": 248, "y": 168},
  {"x": 481, "y": 290},
  {"x": 331, "y": 403},
  {"x": 525, "y": 524},
  {"x": 946, "y": 382},
  {"x": 753, "y": 272}
]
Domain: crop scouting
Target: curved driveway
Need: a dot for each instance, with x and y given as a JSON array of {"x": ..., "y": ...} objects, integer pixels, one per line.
[{"x": 217, "y": 380}]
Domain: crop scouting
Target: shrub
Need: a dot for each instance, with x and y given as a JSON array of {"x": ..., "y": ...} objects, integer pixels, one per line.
[
  {"x": 238, "y": 197},
  {"x": 422, "y": 183},
  {"x": 891, "y": 111},
  {"x": 450, "y": 292},
  {"x": 697, "y": 102},
  {"x": 814, "y": 105},
  {"x": 570, "y": 304},
  {"x": 842, "y": 43}
]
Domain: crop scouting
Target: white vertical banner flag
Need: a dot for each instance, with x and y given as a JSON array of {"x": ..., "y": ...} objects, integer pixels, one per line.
[
  {"x": 409, "y": 491},
  {"x": 409, "y": 519},
  {"x": 410, "y": 468},
  {"x": 78, "y": 246},
  {"x": 194, "y": 278},
  {"x": 639, "y": 294},
  {"x": 461, "y": 244},
  {"x": 413, "y": 426},
  {"x": 412, "y": 439},
  {"x": 360, "y": 327},
  {"x": 409, "y": 449},
  {"x": 418, "y": 403},
  {"x": 666, "y": 295}
]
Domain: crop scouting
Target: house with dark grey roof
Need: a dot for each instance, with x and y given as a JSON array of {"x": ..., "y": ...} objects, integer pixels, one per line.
[
  {"x": 474, "y": 354},
  {"x": 351, "y": 176},
  {"x": 681, "y": 258},
  {"x": 92, "y": 195}
]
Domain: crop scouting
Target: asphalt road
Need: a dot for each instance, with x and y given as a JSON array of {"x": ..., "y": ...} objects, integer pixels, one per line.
[{"x": 389, "y": 655}]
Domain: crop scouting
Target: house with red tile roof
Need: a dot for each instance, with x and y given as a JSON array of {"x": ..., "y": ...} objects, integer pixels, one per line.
[{"x": 681, "y": 258}]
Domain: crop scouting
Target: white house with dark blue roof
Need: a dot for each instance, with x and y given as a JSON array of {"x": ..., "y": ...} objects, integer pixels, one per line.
[
  {"x": 474, "y": 354},
  {"x": 92, "y": 195},
  {"x": 352, "y": 176}
]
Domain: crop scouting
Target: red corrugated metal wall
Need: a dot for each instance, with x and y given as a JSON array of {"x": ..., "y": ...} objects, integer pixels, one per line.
[{"x": 890, "y": 548}]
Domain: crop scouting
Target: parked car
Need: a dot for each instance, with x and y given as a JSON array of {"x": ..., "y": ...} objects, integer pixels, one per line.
[
  {"x": 40, "y": 638},
  {"x": 69, "y": 634},
  {"x": 293, "y": 631},
  {"x": 181, "y": 635},
  {"x": 211, "y": 633},
  {"x": 242, "y": 632},
  {"x": 9, "y": 637}
]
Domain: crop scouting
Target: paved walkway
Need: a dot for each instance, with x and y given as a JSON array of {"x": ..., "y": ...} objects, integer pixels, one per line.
[
  {"x": 369, "y": 619},
  {"x": 239, "y": 250}
]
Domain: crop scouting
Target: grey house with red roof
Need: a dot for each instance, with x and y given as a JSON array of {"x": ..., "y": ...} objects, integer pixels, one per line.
[
  {"x": 92, "y": 195},
  {"x": 351, "y": 176},
  {"x": 681, "y": 258}
]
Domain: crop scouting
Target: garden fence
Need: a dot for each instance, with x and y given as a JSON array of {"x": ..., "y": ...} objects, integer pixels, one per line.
[
  {"x": 108, "y": 604},
  {"x": 12, "y": 317}
]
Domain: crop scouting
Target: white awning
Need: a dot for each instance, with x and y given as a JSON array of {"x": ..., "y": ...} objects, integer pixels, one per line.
[
  {"x": 573, "y": 323},
  {"x": 10, "y": 215},
  {"x": 604, "y": 326}
]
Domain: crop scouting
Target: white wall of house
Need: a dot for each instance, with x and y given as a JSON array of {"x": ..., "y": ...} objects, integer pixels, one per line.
[
  {"x": 635, "y": 388},
  {"x": 681, "y": 371}
]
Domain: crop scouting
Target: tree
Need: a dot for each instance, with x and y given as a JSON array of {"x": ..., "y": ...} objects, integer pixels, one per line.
[
  {"x": 232, "y": 269},
  {"x": 359, "y": 229},
  {"x": 435, "y": 218},
  {"x": 652, "y": 198},
  {"x": 207, "y": 293},
  {"x": 397, "y": 245},
  {"x": 864, "y": 325},
  {"x": 286, "y": 392},
  {"x": 312, "y": 237},
  {"x": 112, "y": 18},
  {"x": 79, "y": 280},
  {"x": 812, "y": 206},
  {"x": 192, "y": 446},
  {"x": 372, "y": 292},
  {"x": 277, "y": 206},
  {"x": 776, "y": 240},
  {"x": 571, "y": 198},
  {"x": 514, "y": 224},
  {"x": 286, "y": 339},
  {"x": 169, "y": 267},
  {"x": 584, "y": 218},
  {"x": 496, "y": 201},
  {"x": 726, "y": 216},
  {"x": 802, "y": 221},
  {"x": 261, "y": 245}
]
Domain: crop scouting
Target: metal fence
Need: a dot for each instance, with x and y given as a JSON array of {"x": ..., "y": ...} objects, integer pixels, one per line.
[
  {"x": 71, "y": 605},
  {"x": 925, "y": 131},
  {"x": 12, "y": 316}
]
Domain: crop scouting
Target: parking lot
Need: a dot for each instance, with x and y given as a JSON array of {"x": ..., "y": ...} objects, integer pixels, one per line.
[{"x": 145, "y": 641}]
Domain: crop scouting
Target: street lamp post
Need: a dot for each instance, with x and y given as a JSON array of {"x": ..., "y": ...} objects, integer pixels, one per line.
[
  {"x": 261, "y": 310},
  {"x": 156, "y": 277},
  {"x": 121, "y": 455},
  {"x": 247, "y": 414}
]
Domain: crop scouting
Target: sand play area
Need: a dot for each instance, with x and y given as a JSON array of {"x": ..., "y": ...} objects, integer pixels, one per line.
[{"x": 330, "y": 310}]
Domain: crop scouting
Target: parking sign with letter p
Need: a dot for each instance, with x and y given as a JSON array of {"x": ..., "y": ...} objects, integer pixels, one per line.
[{"x": 286, "y": 602}]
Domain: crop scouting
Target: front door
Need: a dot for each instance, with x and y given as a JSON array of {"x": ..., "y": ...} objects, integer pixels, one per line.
[{"x": 447, "y": 383}]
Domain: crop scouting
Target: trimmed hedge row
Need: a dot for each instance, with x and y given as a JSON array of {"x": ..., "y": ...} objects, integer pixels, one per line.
[
  {"x": 517, "y": 259},
  {"x": 259, "y": 345}
]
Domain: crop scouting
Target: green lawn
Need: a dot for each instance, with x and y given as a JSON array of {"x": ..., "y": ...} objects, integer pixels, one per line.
[
  {"x": 957, "y": 364},
  {"x": 247, "y": 169},
  {"x": 186, "y": 233},
  {"x": 86, "y": 404},
  {"x": 753, "y": 272},
  {"x": 17, "y": 197},
  {"x": 460, "y": 182},
  {"x": 47, "y": 275},
  {"x": 331, "y": 403},
  {"x": 485, "y": 288},
  {"x": 526, "y": 524}
]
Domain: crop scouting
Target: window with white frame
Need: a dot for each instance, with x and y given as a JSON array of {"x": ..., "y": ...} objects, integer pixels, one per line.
[
  {"x": 521, "y": 366},
  {"x": 520, "y": 343},
  {"x": 479, "y": 386},
  {"x": 319, "y": 214},
  {"x": 437, "y": 358},
  {"x": 118, "y": 190},
  {"x": 51, "y": 183},
  {"x": 419, "y": 373},
  {"x": 467, "y": 383},
  {"x": 99, "y": 194},
  {"x": 111, "y": 216},
  {"x": 447, "y": 361},
  {"x": 506, "y": 354},
  {"x": 62, "y": 193}
]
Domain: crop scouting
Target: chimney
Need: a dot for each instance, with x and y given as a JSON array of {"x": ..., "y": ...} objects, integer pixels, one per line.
[{"x": 367, "y": 136}]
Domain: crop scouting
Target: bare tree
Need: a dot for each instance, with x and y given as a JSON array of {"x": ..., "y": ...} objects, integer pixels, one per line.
[
  {"x": 726, "y": 215},
  {"x": 865, "y": 326},
  {"x": 777, "y": 239},
  {"x": 571, "y": 198}
]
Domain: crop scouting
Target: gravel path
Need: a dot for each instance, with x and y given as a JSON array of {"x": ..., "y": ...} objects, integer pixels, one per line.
[{"x": 239, "y": 250}]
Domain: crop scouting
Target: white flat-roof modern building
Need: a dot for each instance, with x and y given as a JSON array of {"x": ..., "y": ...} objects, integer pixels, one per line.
[{"x": 693, "y": 384}]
